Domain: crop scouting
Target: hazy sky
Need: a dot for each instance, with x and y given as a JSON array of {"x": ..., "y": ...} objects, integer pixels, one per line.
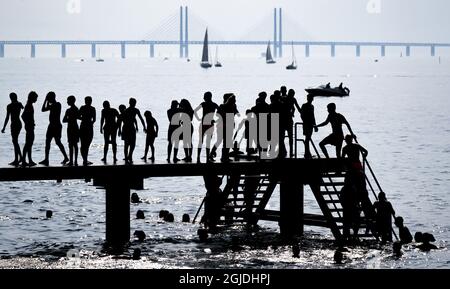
[{"x": 396, "y": 20}]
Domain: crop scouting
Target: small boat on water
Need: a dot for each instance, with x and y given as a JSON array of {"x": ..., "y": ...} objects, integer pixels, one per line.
[
  {"x": 100, "y": 60},
  {"x": 269, "y": 59},
  {"x": 327, "y": 91},
  {"x": 216, "y": 62},
  {"x": 293, "y": 65},
  {"x": 205, "y": 54}
]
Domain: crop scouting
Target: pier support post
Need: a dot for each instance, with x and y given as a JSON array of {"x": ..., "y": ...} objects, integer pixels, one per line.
[
  {"x": 152, "y": 50},
  {"x": 181, "y": 32},
  {"x": 408, "y": 50},
  {"x": 2, "y": 50},
  {"x": 433, "y": 50},
  {"x": 275, "y": 38},
  {"x": 122, "y": 50},
  {"x": 291, "y": 208},
  {"x": 117, "y": 213},
  {"x": 186, "y": 33},
  {"x": 93, "y": 50},
  {"x": 307, "y": 50},
  {"x": 63, "y": 50},
  {"x": 33, "y": 50},
  {"x": 383, "y": 51},
  {"x": 358, "y": 50},
  {"x": 333, "y": 50}
]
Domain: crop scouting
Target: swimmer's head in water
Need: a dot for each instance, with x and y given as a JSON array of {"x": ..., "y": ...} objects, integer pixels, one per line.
[
  {"x": 88, "y": 100},
  {"x": 133, "y": 102},
  {"x": 32, "y": 96},
  {"x": 106, "y": 104},
  {"x": 207, "y": 96},
  {"x": 51, "y": 97},
  {"x": 331, "y": 107},
  {"x": 71, "y": 100}
]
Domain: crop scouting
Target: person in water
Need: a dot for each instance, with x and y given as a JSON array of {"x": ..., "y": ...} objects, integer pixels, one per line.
[
  {"x": 337, "y": 136},
  {"x": 87, "y": 114},
  {"x": 172, "y": 142},
  {"x": 130, "y": 129},
  {"x": 309, "y": 123},
  {"x": 152, "y": 133},
  {"x": 208, "y": 107},
  {"x": 384, "y": 213},
  {"x": 73, "y": 131},
  {"x": 404, "y": 233},
  {"x": 13, "y": 112},
  {"x": 54, "y": 129},
  {"x": 28, "y": 121},
  {"x": 109, "y": 124}
]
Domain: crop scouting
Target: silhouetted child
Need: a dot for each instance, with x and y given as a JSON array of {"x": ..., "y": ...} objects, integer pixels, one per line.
[
  {"x": 13, "y": 111},
  {"x": 28, "y": 121},
  {"x": 404, "y": 234},
  {"x": 73, "y": 131},
  {"x": 384, "y": 213},
  {"x": 152, "y": 133}
]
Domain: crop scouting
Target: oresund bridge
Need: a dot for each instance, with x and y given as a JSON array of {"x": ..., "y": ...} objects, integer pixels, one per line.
[{"x": 184, "y": 42}]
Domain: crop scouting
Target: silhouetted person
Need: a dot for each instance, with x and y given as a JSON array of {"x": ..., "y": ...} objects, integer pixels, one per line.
[
  {"x": 351, "y": 213},
  {"x": 54, "y": 129},
  {"x": 404, "y": 233},
  {"x": 249, "y": 117},
  {"x": 337, "y": 136},
  {"x": 169, "y": 218},
  {"x": 140, "y": 215},
  {"x": 13, "y": 111},
  {"x": 384, "y": 213},
  {"x": 29, "y": 123},
  {"x": 208, "y": 107},
  {"x": 261, "y": 107},
  {"x": 173, "y": 143},
  {"x": 309, "y": 123},
  {"x": 186, "y": 218},
  {"x": 276, "y": 107},
  {"x": 88, "y": 118},
  {"x": 397, "y": 249},
  {"x": 73, "y": 131},
  {"x": 341, "y": 86},
  {"x": 418, "y": 237},
  {"x": 109, "y": 125},
  {"x": 185, "y": 107},
  {"x": 328, "y": 85},
  {"x": 426, "y": 243},
  {"x": 49, "y": 214},
  {"x": 120, "y": 122},
  {"x": 296, "y": 251},
  {"x": 135, "y": 198},
  {"x": 290, "y": 105},
  {"x": 130, "y": 129},
  {"x": 152, "y": 133},
  {"x": 163, "y": 214},
  {"x": 140, "y": 235}
]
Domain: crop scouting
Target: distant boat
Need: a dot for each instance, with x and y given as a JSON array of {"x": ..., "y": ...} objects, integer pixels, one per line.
[
  {"x": 216, "y": 62},
  {"x": 99, "y": 59},
  {"x": 325, "y": 90},
  {"x": 205, "y": 55},
  {"x": 293, "y": 65},
  {"x": 269, "y": 59}
]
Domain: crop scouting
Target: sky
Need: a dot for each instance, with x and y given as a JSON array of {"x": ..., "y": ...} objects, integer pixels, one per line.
[{"x": 320, "y": 20}]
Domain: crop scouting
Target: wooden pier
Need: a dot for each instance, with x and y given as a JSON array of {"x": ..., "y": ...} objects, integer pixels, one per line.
[{"x": 249, "y": 186}]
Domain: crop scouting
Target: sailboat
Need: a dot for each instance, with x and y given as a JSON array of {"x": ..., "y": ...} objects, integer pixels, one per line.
[
  {"x": 216, "y": 62},
  {"x": 269, "y": 59},
  {"x": 99, "y": 59},
  {"x": 205, "y": 55},
  {"x": 293, "y": 65}
]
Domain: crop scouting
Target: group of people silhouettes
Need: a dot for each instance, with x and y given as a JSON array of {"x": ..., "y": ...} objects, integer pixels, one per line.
[{"x": 80, "y": 129}]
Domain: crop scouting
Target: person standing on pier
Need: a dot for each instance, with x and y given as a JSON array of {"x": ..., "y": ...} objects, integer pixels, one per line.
[
  {"x": 130, "y": 129},
  {"x": 73, "y": 131},
  {"x": 152, "y": 133},
  {"x": 261, "y": 107},
  {"x": 277, "y": 108},
  {"x": 28, "y": 120},
  {"x": 185, "y": 107},
  {"x": 290, "y": 104},
  {"x": 172, "y": 143},
  {"x": 209, "y": 108},
  {"x": 337, "y": 136},
  {"x": 13, "y": 111},
  {"x": 54, "y": 129},
  {"x": 109, "y": 125},
  {"x": 309, "y": 123},
  {"x": 88, "y": 118}
]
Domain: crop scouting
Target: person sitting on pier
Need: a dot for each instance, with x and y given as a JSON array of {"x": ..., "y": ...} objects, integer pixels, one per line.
[
  {"x": 109, "y": 124},
  {"x": 73, "y": 131},
  {"x": 309, "y": 123},
  {"x": 208, "y": 107},
  {"x": 54, "y": 129},
  {"x": 172, "y": 142},
  {"x": 186, "y": 108},
  {"x": 28, "y": 120},
  {"x": 152, "y": 133},
  {"x": 87, "y": 115},
  {"x": 13, "y": 111},
  {"x": 130, "y": 129},
  {"x": 404, "y": 233},
  {"x": 384, "y": 213},
  {"x": 337, "y": 136}
]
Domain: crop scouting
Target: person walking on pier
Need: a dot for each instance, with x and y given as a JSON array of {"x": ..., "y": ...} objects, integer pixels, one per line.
[
  {"x": 54, "y": 129},
  {"x": 186, "y": 108},
  {"x": 152, "y": 133},
  {"x": 73, "y": 131},
  {"x": 337, "y": 136},
  {"x": 109, "y": 124},
  {"x": 28, "y": 121},
  {"x": 172, "y": 143},
  {"x": 309, "y": 123},
  {"x": 209, "y": 108},
  {"x": 88, "y": 117},
  {"x": 13, "y": 111},
  {"x": 130, "y": 129}
]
